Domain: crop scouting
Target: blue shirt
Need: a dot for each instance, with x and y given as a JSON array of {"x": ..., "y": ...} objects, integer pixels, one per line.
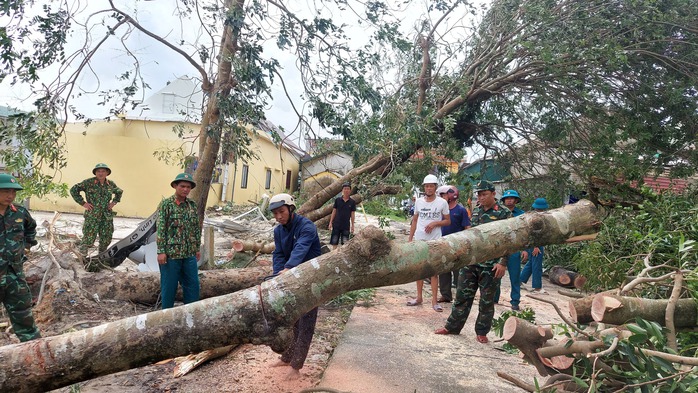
[
  {"x": 517, "y": 212},
  {"x": 296, "y": 242},
  {"x": 459, "y": 220}
]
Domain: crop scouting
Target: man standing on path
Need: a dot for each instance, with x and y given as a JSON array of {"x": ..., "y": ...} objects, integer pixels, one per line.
[
  {"x": 100, "y": 197},
  {"x": 486, "y": 275},
  {"x": 534, "y": 267},
  {"x": 430, "y": 213},
  {"x": 342, "y": 218},
  {"x": 459, "y": 221},
  {"x": 18, "y": 233},
  {"x": 179, "y": 243},
  {"x": 296, "y": 241},
  {"x": 510, "y": 199}
]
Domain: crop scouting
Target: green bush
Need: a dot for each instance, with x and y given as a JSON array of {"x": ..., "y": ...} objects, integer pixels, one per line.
[
  {"x": 377, "y": 207},
  {"x": 661, "y": 231}
]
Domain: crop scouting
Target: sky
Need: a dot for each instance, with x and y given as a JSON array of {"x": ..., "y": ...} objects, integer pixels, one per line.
[{"x": 159, "y": 64}]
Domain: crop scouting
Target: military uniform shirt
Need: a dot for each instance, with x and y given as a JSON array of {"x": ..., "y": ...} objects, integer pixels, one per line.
[
  {"x": 18, "y": 230},
  {"x": 178, "y": 232},
  {"x": 496, "y": 212},
  {"x": 98, "y": 194}
]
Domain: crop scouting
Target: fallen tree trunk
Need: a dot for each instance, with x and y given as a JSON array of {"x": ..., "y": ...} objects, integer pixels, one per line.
[
  {"x": 617, "y": 310},
  {"x": 265, "y": 313},
  {"x": 144, "y": 287},
  {"x": 261, "y": 247}
]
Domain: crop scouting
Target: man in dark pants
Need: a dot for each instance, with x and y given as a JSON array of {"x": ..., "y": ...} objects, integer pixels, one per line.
[
  {"x": 342, "y": 218},
  {"x": 18, "y": 231},
  {"x": 459, "y": 221},
  {"x": 485, "y": 276},
  {"x": 296, "y": 241},
  {"x": 179, "y": 242}
]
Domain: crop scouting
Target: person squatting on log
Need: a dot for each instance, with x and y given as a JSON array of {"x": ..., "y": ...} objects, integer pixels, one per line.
[
  {"x": 18, "y": 234},
  {"x": 460, "y": 220},
  {"x": 534, "y": 267},
  {"x": 342, "y": 218},
  {"x": 486, "y": 275},
  {"x": 296, "y": 241},
  {"x": 179, "y": 243},
  {"x": 510, "y": 199},
  {"x": 99, "y": 216},
  {"x": 430, "y": 213}
]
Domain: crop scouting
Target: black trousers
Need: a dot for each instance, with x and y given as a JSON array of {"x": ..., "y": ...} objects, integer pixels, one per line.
[{"x": 303, "y": 331}]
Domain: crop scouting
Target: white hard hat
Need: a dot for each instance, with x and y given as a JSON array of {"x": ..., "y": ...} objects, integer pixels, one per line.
[
  {"x": 279, "y": 200},
  {"x": 443, "y": 189},
  {"x": 430, "y": 179}
]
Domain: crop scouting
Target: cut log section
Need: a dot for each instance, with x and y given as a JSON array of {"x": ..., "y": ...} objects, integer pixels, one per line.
[
  {"x": 617, "y": 310},
  {"x": 561, "y": 362},
  {"x": 254, "y": 246},
  {"x": 580, "y": 310},
  {"x": 566, "y": 278},
  {"x": 527, "y": 338}
]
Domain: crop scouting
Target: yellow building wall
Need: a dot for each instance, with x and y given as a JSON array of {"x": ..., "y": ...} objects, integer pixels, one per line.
[
  {"x": 270, "y": 157},
  {"x": 127, "y": 147}
]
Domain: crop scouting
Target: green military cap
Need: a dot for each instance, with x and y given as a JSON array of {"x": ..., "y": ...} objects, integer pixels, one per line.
[
  {"x": 9, "y": 181},
  {"x": 101, "y": 165},
  {"x": 484, "y": 185},
  {"x": 183, "y": 177}
]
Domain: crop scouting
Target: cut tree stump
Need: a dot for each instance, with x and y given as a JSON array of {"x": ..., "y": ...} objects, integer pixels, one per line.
[
  {"x": 617, "y": 310},
  {"x": 265, "y": 314}
]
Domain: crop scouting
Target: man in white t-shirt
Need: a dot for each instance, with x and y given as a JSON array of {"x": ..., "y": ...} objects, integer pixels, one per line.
[{"x": 430, "y": 213}]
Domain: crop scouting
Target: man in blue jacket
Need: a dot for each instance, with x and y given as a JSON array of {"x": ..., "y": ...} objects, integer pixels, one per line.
[{"x": 296, "y": 241}]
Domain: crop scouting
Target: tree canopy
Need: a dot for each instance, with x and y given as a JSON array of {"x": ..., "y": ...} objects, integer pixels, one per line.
[{"x": 592, "y": 87}]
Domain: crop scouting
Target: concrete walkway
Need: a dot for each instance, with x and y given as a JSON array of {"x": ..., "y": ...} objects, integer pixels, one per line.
[{"x": 391, "y": 348}]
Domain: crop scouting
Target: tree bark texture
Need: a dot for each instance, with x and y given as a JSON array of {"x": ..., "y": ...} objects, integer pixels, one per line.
[
  {"x": 255, "y": 246},
  {"x": 264, "y": 314},
  {"x": 144, "y": 287},
  {"x": 319, "y": 199},
  {"x": 626, "y": 309},
  {"x": 211, "y": 125}
]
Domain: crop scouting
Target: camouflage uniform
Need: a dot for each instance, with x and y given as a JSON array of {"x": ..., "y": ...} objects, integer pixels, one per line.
[
  {"x": 477, "y": 276},
  {"x": 100, "y": 220},
  {"x": 178, "y": 236},
  {"x": 18, "y": 232}
]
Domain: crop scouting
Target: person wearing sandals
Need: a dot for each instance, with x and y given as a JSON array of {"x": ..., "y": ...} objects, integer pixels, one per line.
[
  {"x": 296, "y": 241},
  {"x": 459, "y": 221},
  {"x": 430, "y": 213},
  {"x": 534, "y": 267},
  {"x": 485, "y": 276},
  {"x": 510, "y": 198}
]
